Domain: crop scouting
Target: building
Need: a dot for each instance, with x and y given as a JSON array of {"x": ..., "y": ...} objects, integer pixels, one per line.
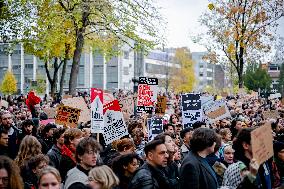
[
  {"x": 94, "y": 69},
  {"x": 204, "y": 71}
]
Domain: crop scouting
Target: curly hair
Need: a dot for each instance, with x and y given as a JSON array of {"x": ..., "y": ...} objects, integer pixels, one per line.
[
  {"x": 15, "y": 180},
  {"x": 70, "y": 134},
  {"x": 29, "y": 148}
]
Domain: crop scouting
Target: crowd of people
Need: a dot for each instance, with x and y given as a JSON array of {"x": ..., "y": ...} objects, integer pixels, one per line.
[{"x": 34, "y": 155}]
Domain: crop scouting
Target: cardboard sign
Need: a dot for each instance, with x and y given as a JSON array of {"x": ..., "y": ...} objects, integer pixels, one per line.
[
  {"x": 114, "y": 105},
  {"x": 97, "y": 116},
  {"x": 206, "y": 100},
  {"x": 79, "y": 102},
  {"x": 161, "y": 105},
  {"x": 67, "y": 116},
  {"x": 262, "y": 143},
  {"x": 272, "y": 114},
  {"x": 114, "y": 127},
  {"x": 216, "y": 111},
  {"x": 108, "y": 97},
  {"x": 4, "y": 103},
  {"x": 67, "y": 96},
  {"x": 127, "y": 106},
  {"x": 147, "y": 94},
  {"x": 282, "y": 101},
  {"x": 191, "y": 109},
  {"x": 50, "y": 112}
]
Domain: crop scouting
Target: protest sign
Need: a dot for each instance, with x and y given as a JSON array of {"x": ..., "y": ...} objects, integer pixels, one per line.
[
  {"x": 206, "y": 100},
  {"x": 97, "y": 117},
  {"x": 50, "y": 112},
  {"x": 155, "y": 127},
  {"x": 216, "y": 111},
  {"x": 191, "y": 109},
  {"x": 67, "y": 116},
  {"x": 147, "y": 94},
  {"x": 108, "y": 97},
  {"x": 273, "y": 96},
  {"x": 67, "y": 96},
  {"x": 114, "y": 125},
  {"x": 161, "y": 105},
  {"x": 127, "y": 106},
  {"x": 4, "y": 103},
  {"x": 262, "y": 143},
  {"x": 271, "y": 114},
  {"x": 79, "y": 102}
]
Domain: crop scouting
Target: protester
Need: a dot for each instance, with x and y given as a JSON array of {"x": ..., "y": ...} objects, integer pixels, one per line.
[
  {"x": 102, "y": 177},
  {"x": 49, "y": 178},
  {"x": 46, "y": 137},
  {"x": 169, "y": 128},
  {"x": 55, "y": 153},
  {"x": 87, "y": 152},
  {"x": 150, "y": 175},
  {"x": 124, "y": 167},
  {"x": 4, "y": 138},
  {"x": 71, "y": 139},
  {"x": 195, "y": 172},
  {"x": 186, "y": 135},
  {"x": 279, "y": 163},
  {"x": 9, "y": 174}
]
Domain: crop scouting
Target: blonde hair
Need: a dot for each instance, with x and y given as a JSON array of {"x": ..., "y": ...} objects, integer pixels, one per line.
[
  {"x": 105, "y": 176},
  {"x": 50, "y": 170},
  {"x": 29, "y": 148}
]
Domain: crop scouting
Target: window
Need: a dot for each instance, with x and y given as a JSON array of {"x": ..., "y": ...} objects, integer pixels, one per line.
[
  {"x": 126, "y": 54},
  {"x": 201, "y": 66},
  {"x": 201, "y": 74},
  {"x": 125, "y": 71}
]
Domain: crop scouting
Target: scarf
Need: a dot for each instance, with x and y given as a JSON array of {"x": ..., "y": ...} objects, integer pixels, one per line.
[{"x": 68, "y": 152}]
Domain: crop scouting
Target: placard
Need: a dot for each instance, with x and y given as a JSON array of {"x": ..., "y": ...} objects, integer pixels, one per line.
[
  {"x": 108, "y": 97},
  {"x": 272, "y": 114},
  {"x": 127, "y": 106},
  {"x": 262, "y": 143},
  {"x": 113, "y": 105},
  {"x": 4, "y": 103},
  {"x": 191, "y": 109},
  {"x": 50, "y": 112},
  {"x": 115, "y": 127},
  {"x": 273, "y": 96},
  {"x": 206, "y": 100},
  {"x": 216, "y": 111},
  {"x": 147, "y": 94},
  {"x": 79, "y": 102},
  {"x": 97, "y": 116},
  {"x": 161, "y": 105},
  {"x": 67, "y": 116}
]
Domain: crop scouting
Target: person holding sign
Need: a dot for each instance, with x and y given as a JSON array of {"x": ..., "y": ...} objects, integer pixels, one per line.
[{"x": 248, "y": 173}]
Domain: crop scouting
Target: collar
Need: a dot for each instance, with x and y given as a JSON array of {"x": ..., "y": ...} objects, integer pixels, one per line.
[{"x": 86, "y": 172}]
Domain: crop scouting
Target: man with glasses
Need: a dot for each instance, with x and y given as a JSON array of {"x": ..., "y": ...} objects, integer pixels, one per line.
[
  {"x": 87, "y": 152},
  {"x": 13, "y": 132}
]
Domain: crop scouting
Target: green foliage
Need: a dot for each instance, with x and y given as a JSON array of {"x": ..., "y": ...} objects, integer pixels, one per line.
[
  {"x": 41, "y": 85},
  {"x": 257, "y": 78},
  {"x": 9, "y": 83}
]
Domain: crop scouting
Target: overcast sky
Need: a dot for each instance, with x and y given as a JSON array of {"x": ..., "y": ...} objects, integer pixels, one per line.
[{"x": 182, "y": 17}]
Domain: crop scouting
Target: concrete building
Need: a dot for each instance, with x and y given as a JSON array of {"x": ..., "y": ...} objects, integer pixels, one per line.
[{"x": 204, "y": 71}]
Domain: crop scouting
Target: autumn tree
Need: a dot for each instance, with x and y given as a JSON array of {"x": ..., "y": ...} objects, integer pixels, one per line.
[
  {"x": 182, "y": 78},
  {"x": 108, "y": 24},
  {"x": 9, "y": 83},
  {"x": 240, "y": 31}
]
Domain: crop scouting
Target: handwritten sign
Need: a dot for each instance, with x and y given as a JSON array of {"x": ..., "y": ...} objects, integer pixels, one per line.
[
  {"x": 155, "y": 127},
  {"x": 191, "y": 109},
  {"x": 79, "y": 102},
  {"x": 216, "y": 111},
  {"x": 147, "y": 94},
  {"x": 272, "y": 114},
  {"x": 67, "y": 116},
  {"x": 97, "y": 119},
  {"x": 127, "y": 106},
  {"x": 50, "y": 112},
  {"x": 161, "y": 105},
  {"x": 262, "y": 143}
]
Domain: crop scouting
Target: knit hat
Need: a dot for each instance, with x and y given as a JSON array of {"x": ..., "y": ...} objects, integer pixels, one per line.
[{"x": 277, "y": 147}]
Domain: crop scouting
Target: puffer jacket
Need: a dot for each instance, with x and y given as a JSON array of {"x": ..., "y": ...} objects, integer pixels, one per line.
[{"x": 149, "y": 177}]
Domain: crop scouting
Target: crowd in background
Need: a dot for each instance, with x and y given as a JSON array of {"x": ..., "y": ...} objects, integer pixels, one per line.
[{"x": 205, "y": 156}]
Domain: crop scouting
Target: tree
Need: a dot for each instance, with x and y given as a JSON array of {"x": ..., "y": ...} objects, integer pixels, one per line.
[
  {"x": 257, "y": 78},
  {"x": 240, "y": 31},
  {"x": 9, "y": 83},
  {"x": 183, "y": 79},
  {"x": 108, "y": 24},
  {"x": 40, "y": 85}
]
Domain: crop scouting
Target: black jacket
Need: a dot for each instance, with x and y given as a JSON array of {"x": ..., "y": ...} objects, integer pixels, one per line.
[
  {"x": 149, "y": 177},
  {"x": 55, "y": 156},
  {"x": 195, "y": 173}
]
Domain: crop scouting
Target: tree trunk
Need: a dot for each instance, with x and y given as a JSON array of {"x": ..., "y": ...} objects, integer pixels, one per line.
[
  {"x": 54, "y": 79},
  {"x": 241, "y": 70},
  {"x": 67, "y": 49}
]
